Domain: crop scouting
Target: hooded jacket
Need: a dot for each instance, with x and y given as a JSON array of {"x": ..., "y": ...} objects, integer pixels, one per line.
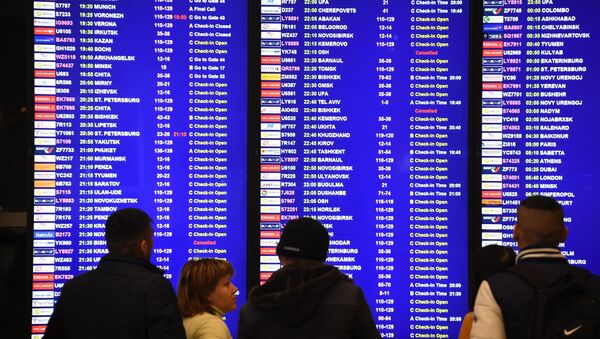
[{"x": 307, "y": 299}]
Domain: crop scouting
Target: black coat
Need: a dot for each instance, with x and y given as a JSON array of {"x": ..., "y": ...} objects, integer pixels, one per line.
[
  {"x": 307, "y": 300},
  {"x": 122, "y": 298}
]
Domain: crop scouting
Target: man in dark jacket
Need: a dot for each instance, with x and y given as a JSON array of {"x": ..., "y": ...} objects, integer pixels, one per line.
[
  {"x": 504, "y": 300},
  {"x": 125, "y": 296},
  {"x": 306, "y": 298}
]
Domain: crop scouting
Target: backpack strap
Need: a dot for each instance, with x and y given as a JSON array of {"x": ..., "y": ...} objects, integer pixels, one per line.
[
  {"x": 575, "y": 278},
  {"x": 536, "y": 311}
]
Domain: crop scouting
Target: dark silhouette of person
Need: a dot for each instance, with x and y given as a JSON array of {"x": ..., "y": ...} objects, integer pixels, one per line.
[
  {"x": 306, "y": 298},
  {"x": 125, "y": 296}
]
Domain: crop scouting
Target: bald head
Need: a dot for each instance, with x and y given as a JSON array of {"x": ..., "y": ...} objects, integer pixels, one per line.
[{"x": 540, "y": 222}]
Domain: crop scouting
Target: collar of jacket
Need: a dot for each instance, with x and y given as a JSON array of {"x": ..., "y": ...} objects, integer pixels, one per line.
[
  {"x": 217, "y": 311},
  {"x": 132, "y": 261},
  {"x": 540, "y": 253}
]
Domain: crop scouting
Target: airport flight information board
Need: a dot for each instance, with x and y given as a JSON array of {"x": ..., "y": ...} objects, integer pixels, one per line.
[
  {"x": 137, "y": 104},
  {"x": 363, "y": 114},
  {"x": 538, "y": 109}
]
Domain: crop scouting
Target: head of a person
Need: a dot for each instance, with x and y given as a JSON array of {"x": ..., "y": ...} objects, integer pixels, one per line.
[
  {"x": 303, "y": 239},
  {"x": 205, "y": 284},
  {"x": 485, "y": 262},
  {"x": 540, "y": 222},
  {"x": 129, "y": 232}
]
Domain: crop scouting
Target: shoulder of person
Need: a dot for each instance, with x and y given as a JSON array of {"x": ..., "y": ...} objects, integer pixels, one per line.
[
  {"x": 344, "y": 291},
  {"x": 149, "y": 272},
  {"x": 75, "y": 282},
  {"x": 594, "y": 278},
  {"x": 593, "y": 285},
  {"x": 207, "y": 325},
  {"x": 504, "y": 278}
]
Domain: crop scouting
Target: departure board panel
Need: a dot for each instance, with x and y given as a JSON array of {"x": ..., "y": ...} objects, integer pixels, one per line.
[
  {"x": 538, "y": 109},
  {"x": 363, "y": 113},
  {"x": 138, "y": 104}
]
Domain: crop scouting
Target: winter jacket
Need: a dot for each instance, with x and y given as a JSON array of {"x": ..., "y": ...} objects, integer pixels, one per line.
[
  {"x": 123, "y": 297},
  {"x": 307, "y": 300},
  {"x": 504, "y": 300}
]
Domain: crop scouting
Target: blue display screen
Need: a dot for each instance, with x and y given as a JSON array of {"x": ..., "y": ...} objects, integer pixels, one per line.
[
  {"x": 138, "y": 105},
  {"x": 364, "y": 127},
  {"x": 363, "y": 117},
  {"x": 538, "y": 111}
]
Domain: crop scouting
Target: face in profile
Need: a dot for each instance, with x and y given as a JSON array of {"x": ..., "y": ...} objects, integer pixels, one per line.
[{"x": 224, "y": 295}]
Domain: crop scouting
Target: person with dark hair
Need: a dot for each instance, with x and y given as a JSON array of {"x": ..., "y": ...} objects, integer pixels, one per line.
[
  {"x": 125, "y": 296},
  {"x": 204, "y": 295},
  {"x": 504, "y": 302},
  {"x": 306, "y": 298},
  {"x": 485, "y": 262}
]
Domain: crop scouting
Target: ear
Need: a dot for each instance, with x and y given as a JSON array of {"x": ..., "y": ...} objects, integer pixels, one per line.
[
  {"x": 516, "y": 231},
  {"x": 145, "y": 249},
  {"x": 565, "y": 234},
  {"x": 284, "y": 260}
]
